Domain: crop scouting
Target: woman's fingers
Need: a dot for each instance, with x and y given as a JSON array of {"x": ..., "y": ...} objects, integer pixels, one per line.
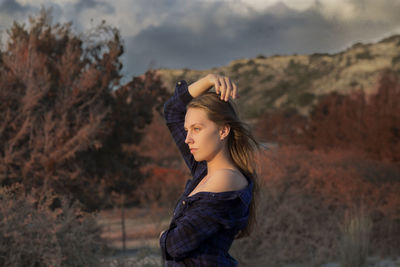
[
  {"x": 217, "y": 86},
  {"x": 234, "y": 91},
  {"x": 224, "y": 87},
  {"x": 228, "y": 89}
]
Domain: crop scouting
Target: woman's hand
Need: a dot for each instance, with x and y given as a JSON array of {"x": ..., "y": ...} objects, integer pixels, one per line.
[
  {"x": 223, "y": 86},
  {"x": 161, "y": 233}
]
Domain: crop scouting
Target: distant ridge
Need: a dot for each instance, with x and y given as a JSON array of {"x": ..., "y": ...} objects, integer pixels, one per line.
[{"x": 274, "y": 82}]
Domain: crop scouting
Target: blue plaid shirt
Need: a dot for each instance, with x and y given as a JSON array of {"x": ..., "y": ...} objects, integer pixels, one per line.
[{"x": 203, "y": 225}]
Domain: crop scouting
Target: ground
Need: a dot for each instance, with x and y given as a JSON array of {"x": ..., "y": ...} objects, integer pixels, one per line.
[{"x": 143, "y": 226}]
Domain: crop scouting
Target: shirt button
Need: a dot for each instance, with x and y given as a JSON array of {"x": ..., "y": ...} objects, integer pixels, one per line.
[
  {"x": 179, "y": 83},
  {"x": 183, "y": 202}
]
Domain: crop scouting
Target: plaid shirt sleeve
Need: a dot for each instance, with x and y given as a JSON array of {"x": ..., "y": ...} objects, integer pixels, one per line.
[{"x": 174, "y": 113}]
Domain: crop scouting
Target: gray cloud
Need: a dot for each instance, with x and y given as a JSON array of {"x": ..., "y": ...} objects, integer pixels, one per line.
[
  {"x": 278, "y": 30},
  {"x": 12, "y": 7},
  {"x": 106, "y": 8},
  {"x": 10, "y": 11},
  {"x": 203, "y": 34}
]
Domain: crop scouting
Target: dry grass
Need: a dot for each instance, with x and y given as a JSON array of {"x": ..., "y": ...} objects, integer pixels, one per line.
[{"x": 356, "y": 234}]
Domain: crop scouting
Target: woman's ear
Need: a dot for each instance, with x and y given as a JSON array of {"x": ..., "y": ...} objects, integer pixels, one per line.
[{"x": 224, "y": 131}]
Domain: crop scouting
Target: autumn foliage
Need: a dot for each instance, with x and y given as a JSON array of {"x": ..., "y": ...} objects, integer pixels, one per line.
[
  {"x": 65, "y": 123},
  {"x": 65, "y": 116},
  {"x": 369, "y": 124},
  {"x": 337, "y": 166},
  {"x": 158, "y": 146},
  {"x": 166, "y": 171},
  {"x": 366, "y": 123},
  {"x": 306, "y": 197}
]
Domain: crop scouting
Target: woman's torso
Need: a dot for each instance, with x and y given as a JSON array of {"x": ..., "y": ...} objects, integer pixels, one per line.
[{"x": 214, "y": 251}]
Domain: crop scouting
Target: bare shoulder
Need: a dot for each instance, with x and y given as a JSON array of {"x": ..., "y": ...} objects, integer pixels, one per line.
[{"x": 225, "y": 180}]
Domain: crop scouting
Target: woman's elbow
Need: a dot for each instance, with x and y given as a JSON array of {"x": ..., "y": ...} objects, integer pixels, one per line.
[
  {"x": 180, "y": 249},
  {"x": 178, "y": 254}
]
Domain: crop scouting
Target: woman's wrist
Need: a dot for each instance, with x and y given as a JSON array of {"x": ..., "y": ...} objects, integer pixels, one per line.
[{"x": 201, "y": 86}]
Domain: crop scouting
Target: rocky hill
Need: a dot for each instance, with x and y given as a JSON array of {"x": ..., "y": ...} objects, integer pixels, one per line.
[{"x": 267, "y": 83}]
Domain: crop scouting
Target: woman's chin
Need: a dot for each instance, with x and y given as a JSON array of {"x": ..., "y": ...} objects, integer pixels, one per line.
[{"x": 197, "y": 158}]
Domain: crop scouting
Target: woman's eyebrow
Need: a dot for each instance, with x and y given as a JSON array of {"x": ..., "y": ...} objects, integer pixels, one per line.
[{"x": 196, "y": 123}]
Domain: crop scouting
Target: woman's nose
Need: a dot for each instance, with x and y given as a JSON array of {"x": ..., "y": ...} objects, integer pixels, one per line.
[{"x": 188, "y": 138}]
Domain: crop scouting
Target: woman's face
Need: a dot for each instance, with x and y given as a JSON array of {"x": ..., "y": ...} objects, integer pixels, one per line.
[{"x": 203, "y": 135}]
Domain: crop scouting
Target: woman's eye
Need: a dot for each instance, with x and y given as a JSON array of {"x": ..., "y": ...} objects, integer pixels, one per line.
[{"x": 197, "y": 129}]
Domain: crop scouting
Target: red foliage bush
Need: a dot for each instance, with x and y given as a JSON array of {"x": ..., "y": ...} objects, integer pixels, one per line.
[
  {"x": 303, "y": 201},
  {"x": 367, "y": 124},
  {"x": 279, "y": 126},
  {"x": 354, "y": 143},
  {"x": 340, "y": 177}
]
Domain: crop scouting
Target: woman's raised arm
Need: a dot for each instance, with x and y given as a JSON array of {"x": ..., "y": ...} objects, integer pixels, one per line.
[
  {"x": 175, "y": 110},
  {"x": 223, "y": 86}
]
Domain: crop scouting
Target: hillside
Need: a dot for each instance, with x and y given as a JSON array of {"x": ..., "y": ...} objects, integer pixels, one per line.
[{"x": 267, "y": 83}]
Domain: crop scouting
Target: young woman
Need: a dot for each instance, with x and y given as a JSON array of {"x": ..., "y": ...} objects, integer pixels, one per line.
[{"x": 217, "y": 205}]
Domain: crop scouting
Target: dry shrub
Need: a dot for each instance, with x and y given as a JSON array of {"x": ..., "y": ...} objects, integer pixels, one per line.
[
  {"x": 302, "y": 204},
  {"x": 355, "y": 241},
  {"x": 35, "y": 233}
]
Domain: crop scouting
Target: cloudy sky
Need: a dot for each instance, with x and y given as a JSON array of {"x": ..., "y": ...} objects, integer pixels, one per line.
[{"x": 201, "y": 34}]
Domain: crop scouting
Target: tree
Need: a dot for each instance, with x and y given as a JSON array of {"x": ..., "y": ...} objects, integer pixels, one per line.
[
  {"x": 165, "y": 153},
  {"x": 64, "y": 115}
]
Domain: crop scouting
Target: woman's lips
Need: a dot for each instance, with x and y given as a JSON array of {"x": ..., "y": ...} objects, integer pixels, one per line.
[{"x": 193, "y": 150}]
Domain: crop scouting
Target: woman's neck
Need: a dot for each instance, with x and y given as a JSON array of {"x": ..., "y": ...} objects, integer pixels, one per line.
[{"x": 221, "y": 161}]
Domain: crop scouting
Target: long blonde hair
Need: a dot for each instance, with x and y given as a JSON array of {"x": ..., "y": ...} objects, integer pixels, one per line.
[{"x": 241, "y": 143}]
